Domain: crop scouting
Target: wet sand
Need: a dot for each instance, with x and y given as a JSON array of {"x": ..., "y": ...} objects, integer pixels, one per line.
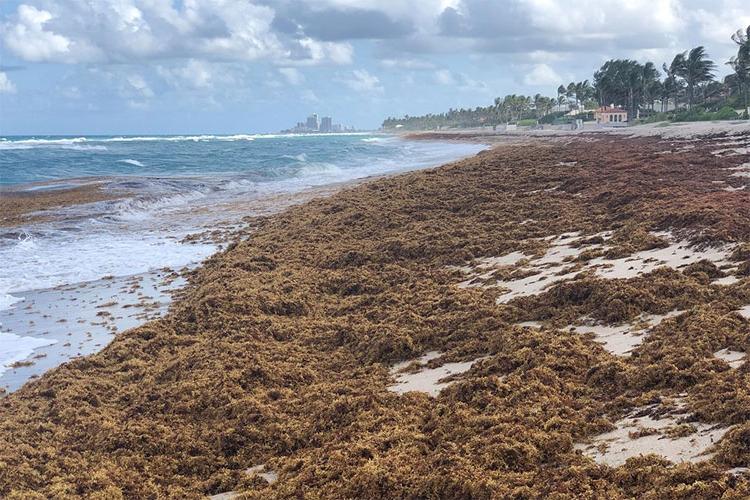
[
  {"x": 338, "y": 344},
  {"x": 81, "y": 319}
]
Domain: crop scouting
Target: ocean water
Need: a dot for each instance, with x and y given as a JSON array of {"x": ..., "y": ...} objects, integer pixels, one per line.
[{"x": 172, "y": 186}]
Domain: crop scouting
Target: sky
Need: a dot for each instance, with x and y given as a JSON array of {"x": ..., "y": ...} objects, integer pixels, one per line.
[{"x": 238, "y": 66}]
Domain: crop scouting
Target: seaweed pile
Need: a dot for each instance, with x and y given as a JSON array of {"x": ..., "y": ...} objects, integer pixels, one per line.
[
  {"x": 23, "y": 207},
  {"x": 278, "y": 357}
]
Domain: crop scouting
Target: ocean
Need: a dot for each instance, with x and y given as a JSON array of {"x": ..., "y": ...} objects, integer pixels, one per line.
[{"x": 169, "y": 187}]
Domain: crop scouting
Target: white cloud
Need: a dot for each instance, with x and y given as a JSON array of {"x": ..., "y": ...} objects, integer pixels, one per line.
[
  {"x": 131, "y": 31},
  {"x": 545, "y": 56},
  {"x": 444, "y": 77},
  {"x": 6, "y": 86},
  {"x": 30, "y": 40},
  {"x": 309, "y": 96},
  {"x": 362, "y": 81},
  {"x": 139, "y": 86},
  {"x": 609, "y": 17},
  {"x": 415, "y": 64},
  {"x": 310, "y": 51},
  {"x": 292, "y": 76},
  {"x": 459, "y": 80},
  {"x": 542, "y": 74},
  {"x": 194, "y": 75}
]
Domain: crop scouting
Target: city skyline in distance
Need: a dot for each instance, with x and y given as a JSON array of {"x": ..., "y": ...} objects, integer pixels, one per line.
[{"x": 320, "y": 125}]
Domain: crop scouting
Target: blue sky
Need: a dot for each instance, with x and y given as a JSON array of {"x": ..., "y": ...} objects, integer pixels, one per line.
[{"x": 234, "y": 66}]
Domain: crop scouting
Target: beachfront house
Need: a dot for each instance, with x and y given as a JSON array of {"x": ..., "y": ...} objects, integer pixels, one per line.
[{"x": 611, "y": 116}]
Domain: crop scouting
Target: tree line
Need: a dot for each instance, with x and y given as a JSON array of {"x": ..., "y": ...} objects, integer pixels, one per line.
[{"x": 686, "y": 85}]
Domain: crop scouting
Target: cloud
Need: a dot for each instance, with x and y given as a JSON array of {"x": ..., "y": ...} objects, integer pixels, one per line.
[
  {"x": 335, "y": 23},
  {"x": 459, "y": 80},
  {"x": 6, "y": 86},
  {"x": 444, "y": 77},
  {"x": 137, "y": 92},
  {"x": 193, "y": 75},
  {"x": 131, "y": 31},
  {"x": 542, "y": 74},
  {"x": 415, "y": 64},
  {"x": 292, "y": 76},
  {"x": 30, "y": 40},
  {"x": 310, "y": 52},
  {"x": 362, "y": 81},
  {"x": 528, "y": 25},
  {"x": 309, "y": 96}
]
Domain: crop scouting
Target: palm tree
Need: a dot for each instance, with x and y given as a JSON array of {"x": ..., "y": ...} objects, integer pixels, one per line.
[
  {"x": 561, "y": 93},
  {"x": 570, "y": 91},
  {"x": 696, "y": 68},
  {"x": 560, "y": 101},
  {"x": 741, "y": 64},
  {"x": 537, "y": 104},
  {"x": 582, "y": 91},
  {"x": 671, "y": 84},
  {"x": 740, "y": 79},
  {"x": 649, "y": 83}
]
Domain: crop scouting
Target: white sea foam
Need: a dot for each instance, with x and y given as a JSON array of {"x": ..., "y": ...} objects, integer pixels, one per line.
[
  {"x": 302, "y": 157},
  {"x": 377, "y": 139},
  {"x": 139, "y": 209},
  {"x": 322, "y": 168},
  {"x": 7, "y": 300},
  {"x": 83, "y": 147},
  {"x": 6, "y": 143},
  {"x": 178, "y": 138},
  {"x": 35, "y": 263},
  {"x": 132, "y": 162},
  {"x": 15, "y": 348}
]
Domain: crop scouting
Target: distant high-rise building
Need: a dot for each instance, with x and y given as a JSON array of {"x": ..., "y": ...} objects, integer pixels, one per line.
[
  {"x": 326, "y": 124},
  {"x": 312, "y": 122}
]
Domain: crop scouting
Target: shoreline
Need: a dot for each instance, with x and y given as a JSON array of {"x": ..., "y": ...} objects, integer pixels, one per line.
[{"x": 278, "y": 363}]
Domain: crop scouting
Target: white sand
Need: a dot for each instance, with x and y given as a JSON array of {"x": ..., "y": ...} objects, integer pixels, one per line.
[
  {"x": 555, "y": 265},
  {"x": 615, "y": 447},
  {"x": 268, "y": 476},
  {"x": 77, "y": 320},
  {"x": 733, "y": 358},
  {"x": 622, "y": 339},
  {"x": 529, "y": 324},
  {"x": 677, "y": 255},
  {"x": 726, "y": 280},
  {"x": 260, "y": 470},
  {"x": 426, "y": 380}
]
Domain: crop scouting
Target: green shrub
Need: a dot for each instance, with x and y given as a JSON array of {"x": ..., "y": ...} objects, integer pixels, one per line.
[
  {"x": 726, "y": 113},
  {"x": 655, "y": 117},
  {"x": 526, "y": 123},
  {"x": 697, "y": 115},
  {"x": 552, "y": 117}
]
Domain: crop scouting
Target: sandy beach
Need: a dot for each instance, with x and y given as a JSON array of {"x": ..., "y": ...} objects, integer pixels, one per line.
[{"x": 559, "y": 316}]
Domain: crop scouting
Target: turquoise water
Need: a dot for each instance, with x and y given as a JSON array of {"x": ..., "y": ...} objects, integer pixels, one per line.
[{"x": 252, "y": 158}]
